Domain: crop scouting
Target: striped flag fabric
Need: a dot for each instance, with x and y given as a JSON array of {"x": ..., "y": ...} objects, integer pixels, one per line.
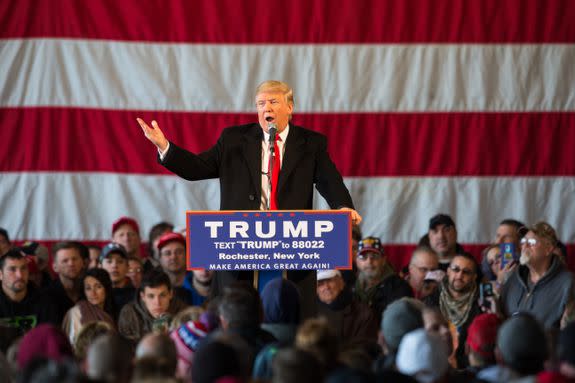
[{"x": 460, "y": 107}]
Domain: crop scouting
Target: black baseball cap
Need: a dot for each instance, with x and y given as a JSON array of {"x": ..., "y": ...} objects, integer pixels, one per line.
[{"x": 440, "y": 219}]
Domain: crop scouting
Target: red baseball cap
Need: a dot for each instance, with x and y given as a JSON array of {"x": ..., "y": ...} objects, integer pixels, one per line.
[
  {"x": 170, "y": 237},
  {"x": 125, "y": 221},
  {"x": 482, "y": 334}
]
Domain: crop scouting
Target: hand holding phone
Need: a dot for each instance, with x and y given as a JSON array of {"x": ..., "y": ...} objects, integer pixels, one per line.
[
  {"x": 507, "y": 254},
  {"x": 486, "y": 295}
]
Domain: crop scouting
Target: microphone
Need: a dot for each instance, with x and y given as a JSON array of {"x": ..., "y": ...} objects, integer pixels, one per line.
[{"x": 272, "y": 130}]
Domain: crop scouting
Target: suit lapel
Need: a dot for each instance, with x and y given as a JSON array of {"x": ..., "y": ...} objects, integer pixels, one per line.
[
  {"x": 294, "y": 150},
  {"x": 252, "y": 151}
]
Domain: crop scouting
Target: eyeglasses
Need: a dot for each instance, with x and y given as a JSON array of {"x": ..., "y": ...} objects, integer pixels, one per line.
[
  {"x": 372, "y": 255},
  {"x": 529, "y": 242},
  {"x": 457, "y": 269},
  {"x": 177, "y": 252}
]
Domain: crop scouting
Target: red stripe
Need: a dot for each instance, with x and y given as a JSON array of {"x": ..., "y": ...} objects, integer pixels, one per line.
[
  {"x": 385, "y": 144},
  {"x": 398, "y": 255},
  {"x": 296, "y": 21}
]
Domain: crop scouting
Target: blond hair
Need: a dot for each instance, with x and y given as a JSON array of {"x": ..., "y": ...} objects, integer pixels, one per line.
[{"x": 273, "y": 86}]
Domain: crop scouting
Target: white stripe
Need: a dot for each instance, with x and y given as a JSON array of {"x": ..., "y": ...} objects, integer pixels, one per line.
[
  {"x": 53, "y": 206},
  {"x": 325, "y": 78}
]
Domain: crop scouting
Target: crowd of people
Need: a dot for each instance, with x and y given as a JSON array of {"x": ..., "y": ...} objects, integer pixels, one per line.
[{"x": 121, "y": 313}]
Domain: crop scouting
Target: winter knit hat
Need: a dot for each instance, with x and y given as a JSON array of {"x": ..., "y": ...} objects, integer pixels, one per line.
[
  {"x": 399, "y": 318},
  {"x": 45, "y": 341},
  {"x": 187, "y": 337}
]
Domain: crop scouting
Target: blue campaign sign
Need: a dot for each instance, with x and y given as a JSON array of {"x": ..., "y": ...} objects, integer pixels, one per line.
[{"x": 269, "y": 240}]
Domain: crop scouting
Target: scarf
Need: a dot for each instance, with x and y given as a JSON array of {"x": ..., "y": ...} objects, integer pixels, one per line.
[
  {"x": 456, "y": 310},
  {"x": 90, "y": 313}
]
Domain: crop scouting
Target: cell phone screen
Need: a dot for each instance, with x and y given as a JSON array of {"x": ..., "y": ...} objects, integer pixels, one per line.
[{"x": 507, "y": 253}]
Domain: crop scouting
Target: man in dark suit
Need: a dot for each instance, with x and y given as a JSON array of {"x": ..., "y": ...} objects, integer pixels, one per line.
[{"x": 241, "y": 155}]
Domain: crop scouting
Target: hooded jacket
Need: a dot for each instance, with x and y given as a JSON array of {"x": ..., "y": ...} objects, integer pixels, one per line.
[
  {"x": 547, "y": 299},
  {"x": 136, "y": 321}
]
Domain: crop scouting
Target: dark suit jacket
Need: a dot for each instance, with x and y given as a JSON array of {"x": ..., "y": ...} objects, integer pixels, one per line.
[{"x": 236, "y": 159}]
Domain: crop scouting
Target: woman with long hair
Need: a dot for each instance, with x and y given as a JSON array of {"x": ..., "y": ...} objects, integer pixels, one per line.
[{"x": 94, "y": 305}]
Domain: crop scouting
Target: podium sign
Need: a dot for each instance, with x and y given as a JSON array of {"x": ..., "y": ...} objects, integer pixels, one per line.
[{"x": 269, "y": 240}]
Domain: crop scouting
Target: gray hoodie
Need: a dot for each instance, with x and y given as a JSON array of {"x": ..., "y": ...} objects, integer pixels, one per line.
[{"x": 548, "y": 298}]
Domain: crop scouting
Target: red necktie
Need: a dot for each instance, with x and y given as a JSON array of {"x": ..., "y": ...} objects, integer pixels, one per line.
[{"x": 276, "y": 174}]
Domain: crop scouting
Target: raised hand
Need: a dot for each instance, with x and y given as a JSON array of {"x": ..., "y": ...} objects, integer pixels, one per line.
[{"x": 154, "y": 134}]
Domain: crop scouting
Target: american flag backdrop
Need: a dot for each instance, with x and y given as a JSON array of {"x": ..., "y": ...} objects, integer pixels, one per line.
[{"x": 453, "y": 106}]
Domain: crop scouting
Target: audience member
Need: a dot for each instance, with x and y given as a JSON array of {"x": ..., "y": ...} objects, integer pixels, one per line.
[
  {"x": 399, "y": 318},
  {"x": 190, "y": 313},
  {"x": 214, "y": 360},
  {"x": 510, "y": 231},
  {"x": 114, "y": 259},
  {"x": 435, "y": 323},
  {"x": 540, "y": 285},
  {"x": 126, "y": 232},
  {"x": 457, "y": 298},
  {"x": 352, "y": 320},
  {"x": 39, "y": 253},
  {"x": 68, "y": 264},
  {"x": 481, "y": 340},
  {"x": 292, "y": 365},
  {"x": 187, "y": 339},
  {"x": 199, "y": 284},
  {"x": 109, "y": 359},
  {"x": 423, "y": 356},
  {"x": 566, "y": 351},
  {"x": 317, "y": 337},
  {"x": 423, "y": 260},
  {"x": 240, "y": 314},
  {"x": 87, "y": 335},
  {"x": 94, "y": 251},
  {"x": 521, "y": 346},
  {"x": 161, "y": 353},
  {"x": 5, "y": 243},
  {"x": 281, "y": 307},
  {"x": 95, "y": 304},
  {"x": 154, "y": 237},
  {"x": 51, "y": 371},
  {"x": 22, "y": 305},
  {"x": 442, "y": 236},
  {"x": 172, "y": 258},
  {"x": 491, "y": 268},
  {"x": 45, "y": 341},
  {"x": 153, "y": 308},
  {"x": 135, "y": 271},
  {"x": 377, "y": 286}
]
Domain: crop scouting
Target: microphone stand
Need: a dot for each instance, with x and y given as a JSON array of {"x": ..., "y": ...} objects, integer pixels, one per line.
[{"x": 272, "y": 130}]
